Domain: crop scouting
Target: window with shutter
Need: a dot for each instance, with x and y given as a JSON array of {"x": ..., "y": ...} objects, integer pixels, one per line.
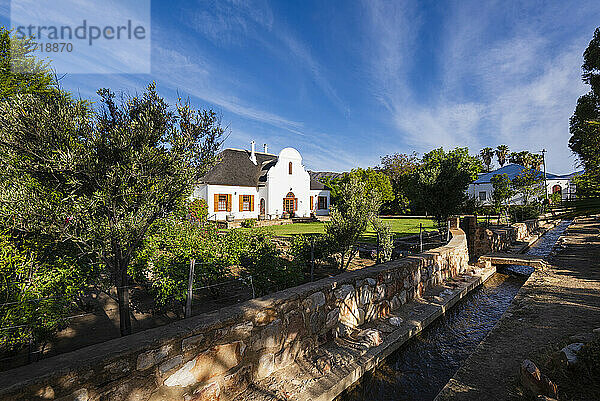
[
  {"x": 322, "y": 202},
  {"x": 245, "y": 201},
  {"x": 222, "y": 203}
]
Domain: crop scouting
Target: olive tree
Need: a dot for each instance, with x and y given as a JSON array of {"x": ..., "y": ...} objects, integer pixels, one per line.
[
  {"x": 502, "y": 192},
  {"x": 355, "y": 208},
  {"x": 99, "y": 178}
]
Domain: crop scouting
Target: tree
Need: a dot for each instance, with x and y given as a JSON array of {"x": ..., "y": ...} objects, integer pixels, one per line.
[
  {"x": 502, "y": 192},
  {"x": 524, "y": 158},
  {"x": 41, "y": 279},
  {"x": 100, "y": 179},
  {"x": 20, "y": 71},
  {"x": 333, "y": 183},
  {"x": 529, "y": 184},
  {"x": 486, "y": 155},
  {"x": 584, "y": 127},
  {"x": 537, "y": 161},
  {"x": 399, "y": 167},
  {"x": 375, "y": 183},
  {"x": 439, "y": 184},
  {"x": 350, "y": 217},
  {"x": 502, "y": 152}
]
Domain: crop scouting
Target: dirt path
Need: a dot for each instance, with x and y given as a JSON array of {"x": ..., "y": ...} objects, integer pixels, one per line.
[{"x": 562, "y": 301}]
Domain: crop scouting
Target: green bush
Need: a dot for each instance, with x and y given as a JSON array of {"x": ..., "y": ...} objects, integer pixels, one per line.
[
  {"x": 249, "y": 223},
  {"x": 556, "y": 198},
  {"x": 164, "y": 261},
  {"x": 36, "y": 295},
  {"x": 524, "y": 212},
  {"x": 198, "y": 210},
  {"x": 386, "y": 239},
  {"x": 300, "y": 249},
  {"x": 261, "y": 260}
]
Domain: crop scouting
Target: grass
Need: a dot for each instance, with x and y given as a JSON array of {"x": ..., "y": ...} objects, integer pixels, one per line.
[{"x": 400, "y": 228}]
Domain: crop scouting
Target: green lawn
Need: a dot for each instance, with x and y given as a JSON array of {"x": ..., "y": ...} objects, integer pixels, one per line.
[{"x": 400, "y": 227}]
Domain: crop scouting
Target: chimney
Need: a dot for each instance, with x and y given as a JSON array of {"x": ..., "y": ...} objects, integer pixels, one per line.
[
  {"x": 253, "y": 153},
  {"x": 266, "y": 148}
]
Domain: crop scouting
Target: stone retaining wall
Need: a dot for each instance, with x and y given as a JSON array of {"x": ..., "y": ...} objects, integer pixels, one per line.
[
  {"x": 499, "y": 238},
  {"x": 216, "y": 355}
]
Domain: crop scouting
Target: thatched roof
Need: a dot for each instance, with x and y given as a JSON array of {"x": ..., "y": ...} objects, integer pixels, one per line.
[{"x": 235, "y": 168}]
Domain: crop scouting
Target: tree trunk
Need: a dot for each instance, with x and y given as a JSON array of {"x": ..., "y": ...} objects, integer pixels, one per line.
[{"x": 123, "y": 294}]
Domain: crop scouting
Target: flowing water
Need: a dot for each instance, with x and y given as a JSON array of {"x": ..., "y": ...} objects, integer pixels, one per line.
[{"x": 421, "y": 368}]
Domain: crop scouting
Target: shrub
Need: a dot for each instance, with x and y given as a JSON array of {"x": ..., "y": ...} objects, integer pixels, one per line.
[
  {"x": 269, "y": 271},
  {"x": 164, "y": 261},
  {"x": 300, "y": 249},
  {"x": 386, "y": 239},
  {"x": 556, "y": 198},
  {"x": 349, "y": 218},
  {"x": 249, "y": 223},
  {"x": 36, "y": 295},
  {"x": 198, "y": 210},
  {"x": 590, "y": 356},
  {"x": 525, "y": 212}
]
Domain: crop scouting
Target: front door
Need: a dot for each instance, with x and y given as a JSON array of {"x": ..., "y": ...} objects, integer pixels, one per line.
[
  {"x": 290, "y": 203},
  {"x": 262, "y": 206}
]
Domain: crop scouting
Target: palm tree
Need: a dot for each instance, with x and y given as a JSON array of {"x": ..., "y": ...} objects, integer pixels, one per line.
[
  {"x": 536, "y": 161},
  {"x": 524, "y": 158},
  {"x": 527, "y": 159},
  {"x": 501, "y": 154},
  {"x": 486, "y": 155}
]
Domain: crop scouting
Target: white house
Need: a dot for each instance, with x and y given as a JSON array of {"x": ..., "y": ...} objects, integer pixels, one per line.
[
  {"x": 482, "y": 188},
  {"x": 248, "y": 184}
]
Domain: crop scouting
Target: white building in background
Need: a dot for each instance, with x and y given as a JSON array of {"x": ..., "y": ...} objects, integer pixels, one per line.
[
  {"x": 248, "y": 184},
  {"x": 482, "y": 188}
]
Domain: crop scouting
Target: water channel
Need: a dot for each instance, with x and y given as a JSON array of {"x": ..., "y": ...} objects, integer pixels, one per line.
[{"x": 421, "y": 368}]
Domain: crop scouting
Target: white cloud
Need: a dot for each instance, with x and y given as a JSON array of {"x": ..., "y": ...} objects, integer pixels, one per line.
[
  {"x": 515, "y": 87},
  {"x": 237, "y": 23}
]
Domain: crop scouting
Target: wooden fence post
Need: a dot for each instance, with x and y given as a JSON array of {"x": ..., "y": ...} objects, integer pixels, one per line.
[
  {"x": 312, "y": 258},
  {"x": 188, "y": 300},
  {"x": 420, "y": 237}
]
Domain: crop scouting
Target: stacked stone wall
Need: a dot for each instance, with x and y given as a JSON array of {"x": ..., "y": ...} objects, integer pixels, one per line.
[
  {"x": 216, "y": 355},
  {"x": 486, "y": 240}
]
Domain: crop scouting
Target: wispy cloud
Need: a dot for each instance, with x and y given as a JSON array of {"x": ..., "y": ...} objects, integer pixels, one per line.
[
  {"x": 513, "y": 87},
  {"x": 181, "y": 73},
  {"x": 234, "y": 23}
]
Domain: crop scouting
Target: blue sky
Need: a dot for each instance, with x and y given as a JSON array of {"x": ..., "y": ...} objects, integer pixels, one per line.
[{"x": 347, "y": 82}]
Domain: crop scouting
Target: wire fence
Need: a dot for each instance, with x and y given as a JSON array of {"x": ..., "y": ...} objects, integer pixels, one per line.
[
  {"x": 199, "y": 298},
  {"x": 200, "y": 289}
]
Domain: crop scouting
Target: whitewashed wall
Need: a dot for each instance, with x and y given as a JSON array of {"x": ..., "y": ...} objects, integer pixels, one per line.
[
  {"x": 474, "y": 189},
  {"x": 280, "y": 182},
  {"x": 208, "y": 192},
  {"x": 315, "y": 193}
]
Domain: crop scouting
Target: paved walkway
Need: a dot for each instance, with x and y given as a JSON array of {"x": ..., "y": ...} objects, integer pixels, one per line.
[{"x": 561, "y": 301}]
